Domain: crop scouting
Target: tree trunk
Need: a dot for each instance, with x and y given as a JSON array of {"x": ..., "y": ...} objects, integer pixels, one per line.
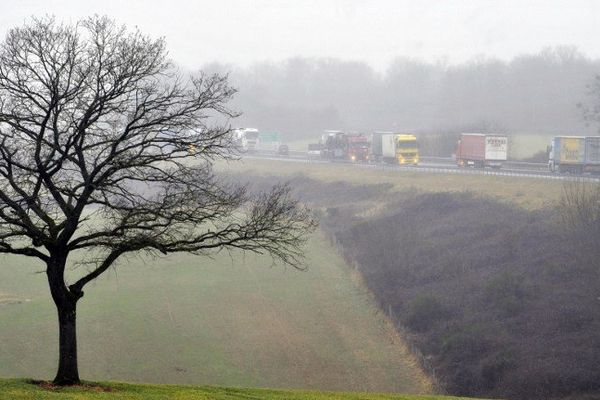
[
  {"x": 66, "y": 302},
  {"x": 68, "y": 373}
]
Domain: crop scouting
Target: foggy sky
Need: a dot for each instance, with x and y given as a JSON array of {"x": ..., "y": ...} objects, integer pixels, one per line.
[{"x": 374, "y": 31}]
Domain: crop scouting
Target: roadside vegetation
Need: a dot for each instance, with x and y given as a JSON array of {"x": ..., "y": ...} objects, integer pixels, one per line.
[
  {"x": 498, "y": 300},
  {"x": 495, "y": 297},
  {"x": 525, "y": 192}
]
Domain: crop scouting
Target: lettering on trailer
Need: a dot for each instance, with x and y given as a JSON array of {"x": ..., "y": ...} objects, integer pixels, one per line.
[
  {"x": 496, "y": 141},
  {"x": 570, "y": 154}
]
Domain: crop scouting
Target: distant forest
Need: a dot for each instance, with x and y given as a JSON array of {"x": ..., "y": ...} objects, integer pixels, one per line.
[{"x": 534, "y": 93}]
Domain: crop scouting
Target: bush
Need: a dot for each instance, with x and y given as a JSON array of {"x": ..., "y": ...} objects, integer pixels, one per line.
[
  {"x": 506, "y": 293},
  {"x": 424, "y": 311}
]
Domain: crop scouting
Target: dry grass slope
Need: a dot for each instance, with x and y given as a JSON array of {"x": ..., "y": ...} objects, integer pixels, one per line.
[{"x": 526, "y": 192}]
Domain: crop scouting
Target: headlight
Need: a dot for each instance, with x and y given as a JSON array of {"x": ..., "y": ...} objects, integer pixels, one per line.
[{"x": 353, "y": 158}]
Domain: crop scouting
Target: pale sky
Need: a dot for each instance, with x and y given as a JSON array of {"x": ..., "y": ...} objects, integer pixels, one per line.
[{"x": 374, "y": 31}]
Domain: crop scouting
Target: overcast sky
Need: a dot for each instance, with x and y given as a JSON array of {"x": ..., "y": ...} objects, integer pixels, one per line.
[{"x": 375, "y": 31}]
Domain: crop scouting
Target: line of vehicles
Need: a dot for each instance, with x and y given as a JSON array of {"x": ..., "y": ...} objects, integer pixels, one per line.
[
  {"x": 473, "y": 149},
  {"x": 378, "y": 147},
  {"x": 566, "y": 154}
]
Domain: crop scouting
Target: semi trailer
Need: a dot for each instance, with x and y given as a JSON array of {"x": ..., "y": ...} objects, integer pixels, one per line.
[
  {"x": 395, "y": 148},
  {"x": 575, "y": 154},
  {"x": 480, "y": 150}
]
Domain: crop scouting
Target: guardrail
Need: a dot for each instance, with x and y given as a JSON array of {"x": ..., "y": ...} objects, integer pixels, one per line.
[
  {"x": 527, "y": 170},
  {"x": 452, "y": 161}
]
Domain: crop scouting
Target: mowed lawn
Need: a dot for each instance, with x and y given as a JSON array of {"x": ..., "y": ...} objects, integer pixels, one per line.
[
  {"x": 231, "y": 321},
  {"x": 21, "y": 390}
]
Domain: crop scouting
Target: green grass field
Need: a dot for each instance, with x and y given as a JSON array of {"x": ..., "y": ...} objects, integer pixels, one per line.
[
  {"x": 232, "y": 321},
  {"x": 526, "y": 192},
  {"x": 19, "y": 389}
]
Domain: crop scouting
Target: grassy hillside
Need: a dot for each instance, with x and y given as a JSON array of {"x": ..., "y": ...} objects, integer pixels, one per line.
[
  {"x": 17, "y": 389},
  {"x": 526, "y": 192},
  {"x": 499, "y": 300},
  {"x": 236, "y": 321}
]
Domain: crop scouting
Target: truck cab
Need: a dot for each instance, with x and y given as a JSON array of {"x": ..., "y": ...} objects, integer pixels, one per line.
[
  {"x": 407, "y": 149},
  {"x": 251, "y": 140},
  {"x": 401, "y": 149},
  {"x": 246, "y": 139},
  {"x": 333, "y": 145},
  {"x": 357, "y": 147}
]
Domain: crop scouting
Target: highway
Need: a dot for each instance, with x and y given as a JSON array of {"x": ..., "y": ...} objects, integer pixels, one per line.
[{"x": 438, "y": 165}]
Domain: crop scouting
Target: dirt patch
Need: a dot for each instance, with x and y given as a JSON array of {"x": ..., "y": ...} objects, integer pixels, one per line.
[
  {"x": 89, "y": 387},
  {"x": 8, "y": 299}
]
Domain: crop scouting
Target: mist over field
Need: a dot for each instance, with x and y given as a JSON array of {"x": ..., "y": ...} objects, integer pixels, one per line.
[
  {"x": 534, "y": 93},
  {"x": 326, "y": 199}
]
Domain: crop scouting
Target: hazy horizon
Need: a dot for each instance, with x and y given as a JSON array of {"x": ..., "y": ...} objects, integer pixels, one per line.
[{"x": 375, "y": 32}]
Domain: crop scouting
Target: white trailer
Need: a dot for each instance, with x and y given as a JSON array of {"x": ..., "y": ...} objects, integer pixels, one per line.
[{"x": 388, "y": 146}]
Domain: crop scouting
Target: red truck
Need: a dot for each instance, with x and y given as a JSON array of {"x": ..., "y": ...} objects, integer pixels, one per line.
[
  {"x": 345, "y": 146},
  {"x": 357, "y": 147},
  {"x": 480, "y": 150}
]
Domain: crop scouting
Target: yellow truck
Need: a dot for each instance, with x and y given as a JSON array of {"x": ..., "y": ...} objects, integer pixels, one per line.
[
  {"x": 395, "y": 148},
  {"x": 407, "y": 149}
]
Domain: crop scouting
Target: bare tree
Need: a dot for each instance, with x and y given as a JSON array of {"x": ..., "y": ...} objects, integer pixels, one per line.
[{"x": 96, "y": 127}]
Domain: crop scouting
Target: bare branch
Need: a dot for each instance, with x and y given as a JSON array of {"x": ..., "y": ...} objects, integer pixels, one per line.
[{"x": 96, "y": 127}]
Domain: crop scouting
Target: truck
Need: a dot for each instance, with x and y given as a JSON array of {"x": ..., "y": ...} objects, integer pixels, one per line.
[
  {"x": 246, "y": 139},
  {"x": 480, "y": 150},
  {"x": 395, "y": 148},
  {"x": 356, "y": 147},
  {"x": 575, "y": 154},
  {"x": 337, "y": 145},
  {"x": 332, "y": 145}
]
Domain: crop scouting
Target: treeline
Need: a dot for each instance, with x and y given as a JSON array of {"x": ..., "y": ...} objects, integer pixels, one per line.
[
  {"x": 536, "y": 93},
  {"x": 502, "y": 302}
]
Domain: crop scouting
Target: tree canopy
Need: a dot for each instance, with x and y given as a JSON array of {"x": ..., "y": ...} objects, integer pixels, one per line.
[{"x": 96, "y": 132}]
